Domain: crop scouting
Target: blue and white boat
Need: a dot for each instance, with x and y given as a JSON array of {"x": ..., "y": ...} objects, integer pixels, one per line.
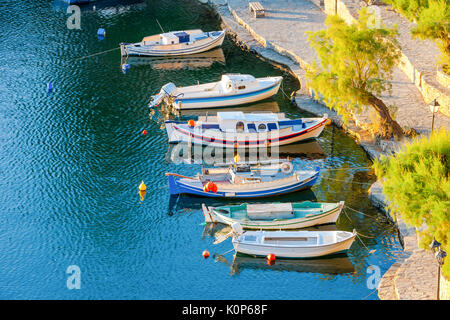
[
  {"x": 231, "y": 90},
  {"x": 175, "y": 43},
  {"x": 245, "y": 130},
  {"x": 244, "y": 181}
]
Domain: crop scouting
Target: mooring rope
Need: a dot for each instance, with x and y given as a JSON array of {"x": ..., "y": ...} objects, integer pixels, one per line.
[{"x": 96, "y": 54}]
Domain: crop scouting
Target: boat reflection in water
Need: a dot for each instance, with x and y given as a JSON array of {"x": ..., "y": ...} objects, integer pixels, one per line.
[
  {"x": 193, "y": 61},
  {"x": 337, "y": 264},
  {"x": 215, "y": 156}
]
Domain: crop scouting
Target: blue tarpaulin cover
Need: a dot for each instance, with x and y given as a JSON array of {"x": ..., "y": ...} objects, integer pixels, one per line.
[{"x": 182, "y": 37}]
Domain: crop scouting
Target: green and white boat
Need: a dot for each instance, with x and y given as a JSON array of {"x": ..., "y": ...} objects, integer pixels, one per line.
[{"x": 273, "y": 216}]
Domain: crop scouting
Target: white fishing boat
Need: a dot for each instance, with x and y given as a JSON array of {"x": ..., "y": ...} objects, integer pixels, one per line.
[
  {"x": 231, "y": 90},
  {"x": 175, "y": 43},
  {"x": 238, "y": 129},
  {"x": 289, "y": 244},
  {"x": 275, "y": 215}
]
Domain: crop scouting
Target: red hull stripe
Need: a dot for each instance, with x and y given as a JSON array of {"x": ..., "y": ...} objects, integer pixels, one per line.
[{"x": 289, "y": 136}]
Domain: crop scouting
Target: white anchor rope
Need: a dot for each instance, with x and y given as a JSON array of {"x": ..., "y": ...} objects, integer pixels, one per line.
[{"x": 96, "y": 54}]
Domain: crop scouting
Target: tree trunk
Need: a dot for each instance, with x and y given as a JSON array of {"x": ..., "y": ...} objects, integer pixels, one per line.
[{"x": 389, "y": 126}]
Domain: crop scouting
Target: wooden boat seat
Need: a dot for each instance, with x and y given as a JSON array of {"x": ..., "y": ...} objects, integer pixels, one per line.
[
  {"x": 270, "y": 211},
  {"x": 257, "y": 8}
]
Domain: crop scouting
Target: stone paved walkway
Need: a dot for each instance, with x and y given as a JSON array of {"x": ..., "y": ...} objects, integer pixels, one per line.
[{"x": 283, "y": 29}]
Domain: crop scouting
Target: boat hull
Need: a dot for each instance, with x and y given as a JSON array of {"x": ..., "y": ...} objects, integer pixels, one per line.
[
  {"x": 177, "y": 133},
  {"x": 179, "y": 185},
  {"x": 228, "y": 100},
  {"x": 283, "y": 224},
  {"x": 152, "y": 51},
  {"x": 292, "y": 252}
]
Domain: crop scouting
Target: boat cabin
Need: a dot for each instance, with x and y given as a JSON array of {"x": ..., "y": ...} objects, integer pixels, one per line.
[
  {"x": 237, "y": 82},
  {"x": 248, "y": 122}
]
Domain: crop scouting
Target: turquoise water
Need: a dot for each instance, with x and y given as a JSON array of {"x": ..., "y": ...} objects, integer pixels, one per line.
[{"x": 71, "y": 161}]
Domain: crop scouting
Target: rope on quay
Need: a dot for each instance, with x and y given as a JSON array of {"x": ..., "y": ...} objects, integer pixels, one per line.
[{"x": 98, "y": 53}]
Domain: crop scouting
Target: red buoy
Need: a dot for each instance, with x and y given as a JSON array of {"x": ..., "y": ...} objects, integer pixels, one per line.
[
  {"x": 271, "y": 257},
  {"x": 144, "y": 132},
  {"x": 205, "y": 254},
  {"x": 191, "y": 123},
  {"x": 270, "y": 263}
]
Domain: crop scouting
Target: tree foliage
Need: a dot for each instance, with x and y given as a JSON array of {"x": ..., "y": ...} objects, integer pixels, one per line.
[
  {"x": 416, "y": 182},
  {"x": 356, "y": 64}
]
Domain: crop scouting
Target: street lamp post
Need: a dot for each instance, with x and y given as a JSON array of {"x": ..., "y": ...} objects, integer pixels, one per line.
[
  {"x": 440, "y": 256},
  {"x": 434, "y": 107}
]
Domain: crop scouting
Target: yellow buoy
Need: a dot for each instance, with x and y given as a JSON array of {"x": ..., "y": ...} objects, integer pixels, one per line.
[
  {"x": 142, "y": 186},
  {"x": 237, "y": 158}
]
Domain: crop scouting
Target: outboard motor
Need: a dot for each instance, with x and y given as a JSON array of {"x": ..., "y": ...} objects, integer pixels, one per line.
[
  {"x": 237, "y": 229},
  {"x": 166, "y": 91}
]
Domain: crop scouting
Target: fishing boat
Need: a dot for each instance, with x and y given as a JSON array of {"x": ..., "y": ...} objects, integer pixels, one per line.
[
  {"x": 244, "y": 181},
  {"x": 289, "y": 244},
  {"x": 275, "y": 215},
  {"x": 243, "y": 130},
  {"x": 175, "y": 43},
  {"x": 231, "y": 90}
]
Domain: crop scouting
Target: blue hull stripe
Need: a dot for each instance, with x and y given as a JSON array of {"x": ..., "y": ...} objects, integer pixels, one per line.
[
  {"x": 231, "y": 97},
  {"x": 177, "y": 187}
]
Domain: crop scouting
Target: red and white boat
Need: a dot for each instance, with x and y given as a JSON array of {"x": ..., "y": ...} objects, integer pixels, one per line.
[{"x": 245, "y": 130}]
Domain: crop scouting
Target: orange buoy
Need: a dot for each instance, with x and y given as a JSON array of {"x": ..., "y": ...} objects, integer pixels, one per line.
[
  {"x": 144, "y": 132},
  {"x": 205, "y": 188},
  {"x": 328, "y": 122},
  {"x": 270, "y": 262},
  {"x": 191, "y": 123},
  {"x": 214, "y": 188},
  {"x": 205, "y": 254},
  {"x": 271, "y": 257}
]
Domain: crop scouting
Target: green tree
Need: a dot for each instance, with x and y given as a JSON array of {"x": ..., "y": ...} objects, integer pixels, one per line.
[
  {"x": 434, "y": 23},
  {"x": 416, "y": 183},
  {"x": 356, "y": 63}
]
